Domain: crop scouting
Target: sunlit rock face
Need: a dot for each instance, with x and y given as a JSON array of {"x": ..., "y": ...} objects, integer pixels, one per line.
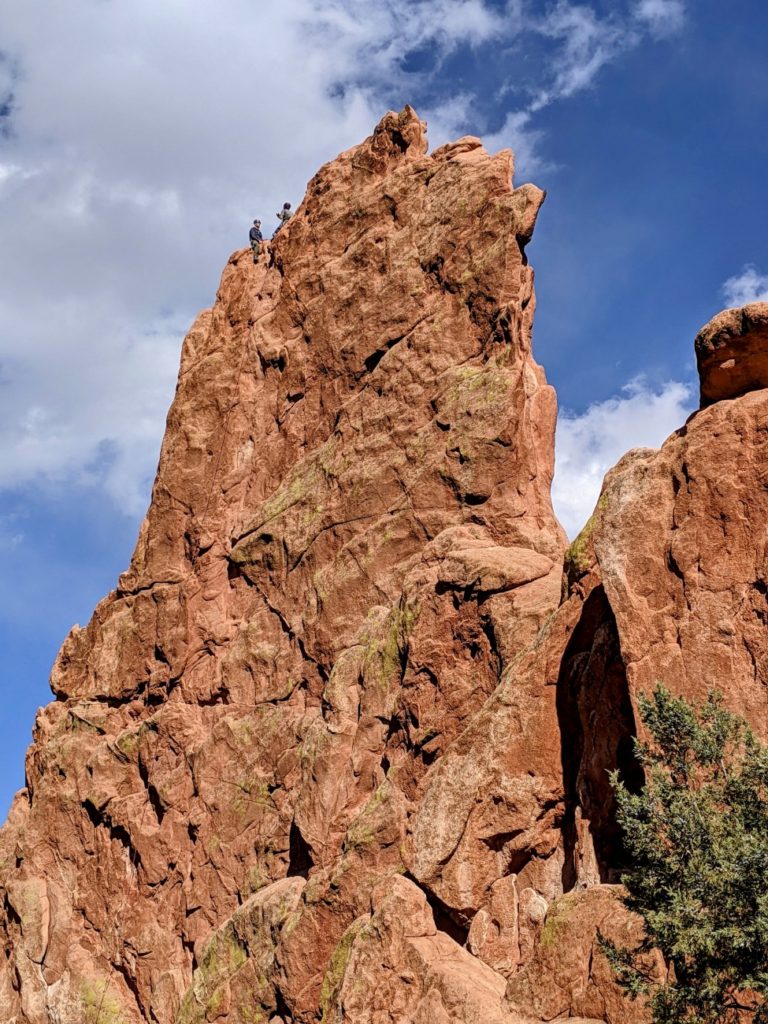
[{"x": 336, "y": 746}]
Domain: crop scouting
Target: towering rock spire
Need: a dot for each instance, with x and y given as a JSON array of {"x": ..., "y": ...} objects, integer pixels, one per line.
[{"x": 350, "y": 539}]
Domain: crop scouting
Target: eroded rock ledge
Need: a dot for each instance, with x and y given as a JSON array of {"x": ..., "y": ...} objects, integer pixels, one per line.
[{"x": 336, "y": 747}]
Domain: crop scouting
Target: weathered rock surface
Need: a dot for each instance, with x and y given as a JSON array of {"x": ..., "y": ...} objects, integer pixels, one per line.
[
  {"x": 673, "y": 573},
  {"x": 350, "y": 539},
  {"x": 732, "y": 353},
  {"x": 568, "y": 977},
  {"x": 680, "y": 542},
  {"x": 337, "y": 746}
]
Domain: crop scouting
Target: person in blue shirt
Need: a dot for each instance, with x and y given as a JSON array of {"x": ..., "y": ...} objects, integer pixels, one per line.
[{"x": 256, "y": 240}]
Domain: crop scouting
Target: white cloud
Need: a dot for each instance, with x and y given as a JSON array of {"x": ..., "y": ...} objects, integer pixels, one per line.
[
  {"x": 585, "y": 42},
  {"x": 747, "y": 286},
  {"x": 524, "y": 140},
  {"x": 143, "y": 139},
  {"x": 95, "y": 416},
  {"x": 663, "y": 17},
  {"x": 589, "y": 444},
  {"x": 588, "y": 43}
]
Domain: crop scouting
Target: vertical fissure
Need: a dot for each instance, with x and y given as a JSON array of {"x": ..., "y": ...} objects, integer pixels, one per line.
[{"x": 597, "y": 728}]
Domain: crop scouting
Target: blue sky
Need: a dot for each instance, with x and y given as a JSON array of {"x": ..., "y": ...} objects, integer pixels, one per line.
[{"x": 137, "y": 141}]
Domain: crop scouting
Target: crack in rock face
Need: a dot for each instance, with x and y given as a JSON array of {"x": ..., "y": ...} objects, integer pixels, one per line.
[{"x": 335, "y": 748}]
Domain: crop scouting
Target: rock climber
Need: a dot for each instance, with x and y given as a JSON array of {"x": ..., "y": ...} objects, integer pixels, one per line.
[
  {"x": 256, "y": 239},
  {"x": 284, "y": 216}
]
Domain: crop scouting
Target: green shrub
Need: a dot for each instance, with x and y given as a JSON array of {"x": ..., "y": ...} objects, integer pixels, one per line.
[{"x": 697, "y": 835}]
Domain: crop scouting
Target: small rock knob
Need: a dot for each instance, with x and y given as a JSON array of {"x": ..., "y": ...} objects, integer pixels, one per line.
[{"x": 732, "y": 353}]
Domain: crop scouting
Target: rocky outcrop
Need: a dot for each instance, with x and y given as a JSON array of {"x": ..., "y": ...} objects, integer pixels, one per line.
[
  {"x": 732, "y": 353},
  {"x": 679, "y": 542},
  {"x": 350, "y": 541},
  {"x": 671, "y": 569},
  {"x": 568, "y": 977},
  {"x": 337, "y": 746}
]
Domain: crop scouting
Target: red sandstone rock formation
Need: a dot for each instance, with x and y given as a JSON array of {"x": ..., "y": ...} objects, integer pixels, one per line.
[
  {"x": 732, "y": 353},
  {"x": 350, "y": 539},
  {"x": 336, "y": 746}
]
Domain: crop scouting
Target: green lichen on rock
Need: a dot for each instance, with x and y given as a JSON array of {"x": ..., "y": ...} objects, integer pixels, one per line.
[
  {"x": 303, "y": 493},
  {"x": 303, "y": 480},
  {"x": 386, "y": 645},
  {"x": 364, "y": 828},
  {"x": 579, "y": 556},
  {"x": 332, "y": 460},
  {"x": 556, "y": 921},
  {"x": 248, "y": 1015},
  {"x": 248, "y": 792},
  {"x": 487, "y": 257},
  {"x": 256, "y": 878},
  {"x": 316, "y": 741},
  {"x": 222, "y": 958},
  {"x": 80, "y": 719},
  {"x": 236, "y": 966},
  {"x": 300, "y": 491},
  {"x": 98, "y": 1005},
  {"x": 262, "y": 872},
  {"x": 251, "y": 1015},
  {"x": 475, "y": 395},
  {"x": 129, "y": 741},
  {"x": 334, "y": 976}
]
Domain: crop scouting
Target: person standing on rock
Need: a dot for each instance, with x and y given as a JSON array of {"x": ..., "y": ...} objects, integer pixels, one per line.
[
  {"x": 256, "y": 239},
  {"x": 284, "y": 216}
]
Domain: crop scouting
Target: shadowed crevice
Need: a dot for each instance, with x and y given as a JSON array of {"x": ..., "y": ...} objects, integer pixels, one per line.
[
  {"x": 300, "y": 861},
  {"x": 597, "y": 728},
  {"x": 454, "y": 923},
  {"x": 100, "y": 819}
]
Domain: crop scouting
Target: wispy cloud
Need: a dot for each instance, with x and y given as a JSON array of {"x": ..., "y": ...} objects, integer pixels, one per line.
[
  {"x": 747, "y": 286},
  {"x": 663, "y": 17},
  {"x": 589, "y": 444},
  {"x": 394, "y": 28},
  {"x": 519, "y": 134},
  {"x": 584, "y": 43},
  {"x": 102, "y": 426},
  {"x": 587, "y": 42}
]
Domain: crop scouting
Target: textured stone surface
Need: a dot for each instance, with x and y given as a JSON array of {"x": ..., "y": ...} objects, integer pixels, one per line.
[
  {"x": 394, "y": 965},
  {"x": 672, "y": 572},
  {"x": 732, "y": 353},
  {"x": 680, "y": 540},
  {"x": 569, "y": 975},
  {"x": 336, "y": 749}
]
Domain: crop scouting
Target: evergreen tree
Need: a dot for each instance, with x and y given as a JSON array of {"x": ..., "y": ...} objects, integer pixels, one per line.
[{"x": 697, "y": 837}]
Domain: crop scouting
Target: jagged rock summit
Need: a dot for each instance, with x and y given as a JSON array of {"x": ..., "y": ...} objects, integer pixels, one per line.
[{"x": 336, "y": 747}]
